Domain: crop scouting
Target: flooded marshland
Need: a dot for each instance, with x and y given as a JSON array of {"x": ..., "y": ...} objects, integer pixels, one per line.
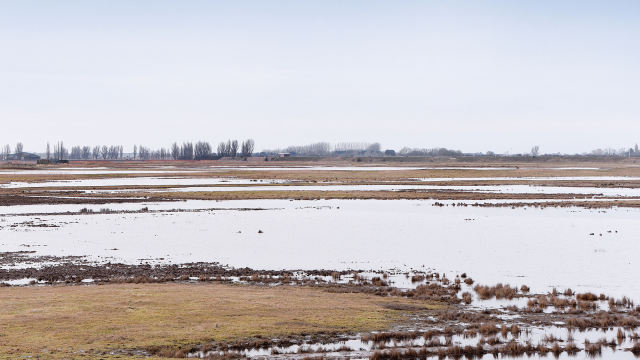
[
  {"x": 554, "y": 247},
  {"x": 386, "y": 247}
]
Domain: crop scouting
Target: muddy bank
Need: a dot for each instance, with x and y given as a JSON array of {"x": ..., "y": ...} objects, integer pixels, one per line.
[
  {"x": 76, "y": 269},
  {"x": 13, "y": 200}
]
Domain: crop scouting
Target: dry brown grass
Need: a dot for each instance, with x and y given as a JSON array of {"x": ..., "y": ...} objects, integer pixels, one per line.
[
  {"x": 93, "y": 319},
  {"x": 499, "y": 291}
]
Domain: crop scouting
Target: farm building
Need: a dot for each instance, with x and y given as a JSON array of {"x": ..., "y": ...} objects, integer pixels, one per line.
[{"x": 23, "y": 156}]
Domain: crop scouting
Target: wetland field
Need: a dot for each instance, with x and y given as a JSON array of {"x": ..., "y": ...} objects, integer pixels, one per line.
[{"x": 328, "y": 259}]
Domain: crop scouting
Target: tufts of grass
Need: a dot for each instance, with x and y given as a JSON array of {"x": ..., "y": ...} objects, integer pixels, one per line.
[{"x": 587, "y": 297}]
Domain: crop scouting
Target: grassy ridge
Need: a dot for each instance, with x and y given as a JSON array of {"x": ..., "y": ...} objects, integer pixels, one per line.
[{"x": 64, "y": 321}]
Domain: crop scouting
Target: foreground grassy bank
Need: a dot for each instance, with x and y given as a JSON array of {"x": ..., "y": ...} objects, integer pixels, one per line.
[{"x": 89, "y": 321}]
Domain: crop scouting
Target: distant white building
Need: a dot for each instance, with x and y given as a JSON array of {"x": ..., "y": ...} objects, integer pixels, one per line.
[{"x": 370, "y": 153}]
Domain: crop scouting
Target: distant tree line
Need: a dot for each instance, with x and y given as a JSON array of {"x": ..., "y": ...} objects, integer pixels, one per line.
[
  {"x": 202, "y": 150},
  {"x": 187, "y": 151},
  {"x": 104, "y": 152},
  {"x": 326, "y": 149},
  {"x": 5, "y": 151},
  {"x": 406, "y": 151},
  {"x": 615, "y": 152}
]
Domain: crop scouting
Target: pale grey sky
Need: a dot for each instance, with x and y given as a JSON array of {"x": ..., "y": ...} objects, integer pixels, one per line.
[{"x": 468, "y": 75}]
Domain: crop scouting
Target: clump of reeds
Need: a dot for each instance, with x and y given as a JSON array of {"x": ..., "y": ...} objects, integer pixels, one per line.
[
  {"x": 313, "y": 358},
  {"x": 336, "y": 276},
  {"x": 525, "y": 289},
  {"x": 580, "y": 323},
  {"x": 592, "y": 349},
  {"x": 504, "y": 331},
  {"x": 499, "y": 291},
  {"x": 543, "y": 350},
  {"x": 430, "y": 333},
  {"x": 390, "y": 355},
  {"x": 417, "y": 278},
  {"x": 515, "y": 330},
  {"x": 604, "y": 342},
  {"x": 469, "y": 334},
  {"x": 586, "y": 305},
  {"x": 549, "y": 338},
  {"x": 587, "y": 297},
  {"x": 513, "y": 348},
  {"x": 356, "y": 277},
  {"x": 568, "y": 292},
  {"x": 543, "y": 301},
  {"x": 571, "y": 348},
  {"x": 468, "y": 281},
  {"x": 466, "y": 298},
  {"x": 488, "y": 328}
]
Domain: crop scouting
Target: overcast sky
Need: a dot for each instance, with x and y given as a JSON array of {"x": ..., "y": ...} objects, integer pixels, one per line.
[{"x": 467, "y": 75}]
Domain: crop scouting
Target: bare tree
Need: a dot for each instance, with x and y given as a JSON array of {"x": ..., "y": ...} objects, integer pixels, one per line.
[
  {"x": 187, "y": 151},
  {"x": 86, "y": 152},
  {"x": 112, "y": 153},
  {"x": 233, "y": 148},
  {"x": 18, "y": 148},
  {"x": 104, "y": 152},
  {"x": 48, "y": 151},
  {"x": 202, "y": 150},
  {"x": 175, "y": 151},
  {"x": 374, "y": 147},
  {"x": 59, "y": 152},
  {"x": 355, "y": 146},
  {"x": 76, "y": 152},
  {"x": 144, "y": 153},
  {"x": 247, "y": 148},
  {"x": 135, "y": 151},
  {"x": 535, "y": 150},
  {"x": 6, "y": 150},
  {"x": 222, "y": 149},
  {"x": 96, "y": 152}
]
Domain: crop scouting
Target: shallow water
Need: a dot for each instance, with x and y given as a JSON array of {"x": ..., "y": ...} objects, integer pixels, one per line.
[
  {"x": 139, "y": 181},
  {"x": 504, "y": 189},
  {"x": 535, "y": 336},
  {"x": 96, "y": 171},
  {"x": 380, "y": 167},
  {"x": 540, "y": 248}
]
